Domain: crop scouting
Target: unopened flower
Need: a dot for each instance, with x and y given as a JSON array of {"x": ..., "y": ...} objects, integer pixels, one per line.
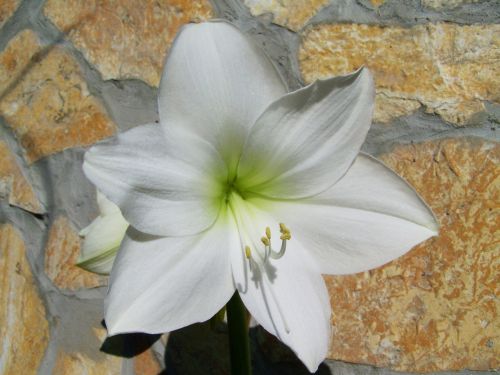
[
  {"x": 243, "y": 186},
  {"x": 102, "y": 238}
]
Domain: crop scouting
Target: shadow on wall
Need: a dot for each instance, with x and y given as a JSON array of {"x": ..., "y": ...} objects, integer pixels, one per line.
[{"x": 199, "y": 349}]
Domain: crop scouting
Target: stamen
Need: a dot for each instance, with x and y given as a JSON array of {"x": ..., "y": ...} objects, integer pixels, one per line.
[
  {"x": 270, "y": 253},
  {"x": 285, "y": 236},
  {"x": 265, "y": 241},
  {"x": 285, "y": 232},
  {"x": 248, "y": 252},
  {"x": 278, "y": 254}
]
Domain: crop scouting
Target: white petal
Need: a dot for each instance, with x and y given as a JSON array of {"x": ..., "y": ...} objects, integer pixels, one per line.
[
  {"x": 102, "y": 238},
  {"x": 157, "y": 193},
  {"x": 159, "y": 284},
  {"x": 287, "y": 297},
  {"x": 105, "y": 205},
  {"x": 215, "y": 84},
  {"x": 370, "y": 217},
  {"x": 305, "y": 141},
  {"x": 101, "y": 241}
]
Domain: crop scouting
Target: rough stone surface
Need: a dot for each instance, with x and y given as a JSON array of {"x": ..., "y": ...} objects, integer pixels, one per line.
[
  {"x": 50, "y": 108},
  {"x": 13, "y": 184},
  {"x": 438, "y": 4},
  {"x": 14, "y": 59},
  {"x": 7, "y": 8},
  {"x": 61, "y": 254},
  {"x": 63, "y": 61},
  {"x": 79, "y": 363},
  {"x": 23, "y": 326},
  {"x": 292, "y": 14},
  {"x": 435, "y": 4},
  {"x": 436, "y": 308},
  {"x": 93, "y": 362},
  {"x": 124, "y": 40},
  {"x": 448, "y": 69}
]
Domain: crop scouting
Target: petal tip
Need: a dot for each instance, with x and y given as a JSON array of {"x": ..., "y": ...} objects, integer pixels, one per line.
[
  {"x": 432, "y": 223},
  {"x": 368, "y": 76},
  {"x": 434, "y": 228},
  {"x": 112, "y": 331},
  {"x": 112, "y": 322},
  {"x": 312, "y": 364},
  {"x": 88, "y": 159}
]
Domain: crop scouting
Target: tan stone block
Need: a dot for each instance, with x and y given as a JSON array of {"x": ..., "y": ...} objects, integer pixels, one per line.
[
  {"x": 14, "y": 185},
  {"x": 448, "y": 69},
  {"x": 7, "y": 9},
  {"x": 437, "y": 307},
  {"x": 388, "y": 108},
  {"x": 125, "y": 38},
  {"x": 292, "y": 14},
  {"x": 146, "y": 364},
  {"x": 50, "y": 108},
  {"x": 435, "y": 4},
  {"x": 61, "y": 254},
  {"x": 92, "y": 362},
  {"x": 80, "y": 363},
  {"x": 23, "y": 326},
  {"x": 16, "y": 58}
]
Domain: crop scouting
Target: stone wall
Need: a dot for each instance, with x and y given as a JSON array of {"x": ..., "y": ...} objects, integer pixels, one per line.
[{"x": 75, "y": 72}]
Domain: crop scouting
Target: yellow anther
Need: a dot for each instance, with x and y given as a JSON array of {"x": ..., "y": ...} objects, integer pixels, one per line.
[
  {"x": 268, "y": 233},
  {"x": 285, "y": 236},
  {"x": 265, "y": 241},
  {"x": 248, "y": 252},
  {"x": 285, "y": 232}
]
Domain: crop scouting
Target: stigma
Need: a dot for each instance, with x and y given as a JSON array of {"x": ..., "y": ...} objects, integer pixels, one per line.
[{"x": 269, "y": 251}]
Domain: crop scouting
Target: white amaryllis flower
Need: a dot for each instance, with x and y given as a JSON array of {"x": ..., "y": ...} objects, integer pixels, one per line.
[
  {"x": 243, "y": 186},
  {"x": 102, "y": 238}
]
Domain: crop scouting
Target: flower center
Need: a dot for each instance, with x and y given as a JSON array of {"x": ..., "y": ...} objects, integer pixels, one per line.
[{"x": 248, "y": 219}]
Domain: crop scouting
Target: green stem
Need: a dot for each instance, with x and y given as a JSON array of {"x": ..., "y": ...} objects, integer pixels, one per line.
[{"x": 239, "y": 345}]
